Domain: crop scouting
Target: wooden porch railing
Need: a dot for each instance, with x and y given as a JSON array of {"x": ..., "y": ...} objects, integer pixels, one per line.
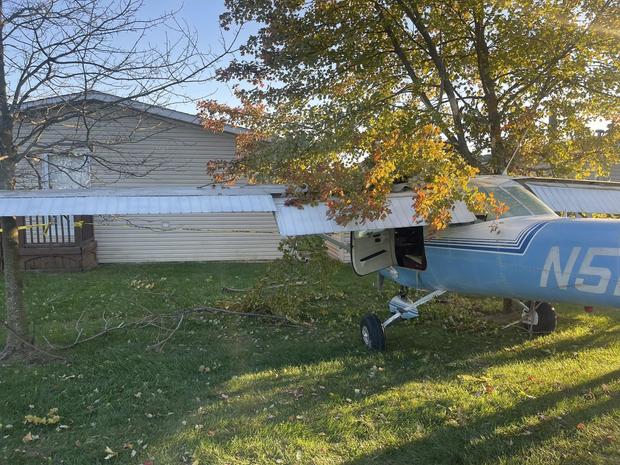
[
  {"x": 49, "y": 231},
  {"x": 63, "y": 242}
]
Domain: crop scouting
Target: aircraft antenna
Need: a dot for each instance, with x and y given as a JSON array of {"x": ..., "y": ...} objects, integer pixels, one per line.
[{"x": 514, "y": 154}]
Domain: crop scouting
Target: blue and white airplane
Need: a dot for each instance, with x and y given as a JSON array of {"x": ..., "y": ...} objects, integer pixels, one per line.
[{"x": 530, "y": 254}]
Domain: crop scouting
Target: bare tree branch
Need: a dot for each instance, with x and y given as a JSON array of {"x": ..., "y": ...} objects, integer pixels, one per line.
[{"x": 55, "y": 56}]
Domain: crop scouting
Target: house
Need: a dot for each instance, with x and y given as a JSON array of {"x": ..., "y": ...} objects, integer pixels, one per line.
[{"x": 126, "y": 143}]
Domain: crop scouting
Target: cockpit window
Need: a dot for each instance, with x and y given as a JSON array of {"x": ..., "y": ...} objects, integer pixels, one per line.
[
  {"x": 528, "y": 200},
  {"x": 520, "y": 202}
]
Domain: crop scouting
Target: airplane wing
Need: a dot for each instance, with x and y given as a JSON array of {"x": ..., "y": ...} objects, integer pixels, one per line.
[
  {"x": 135, "y": 201},
  {"x": 576, "y": 196},
  {"x": 291, "y": 220}
]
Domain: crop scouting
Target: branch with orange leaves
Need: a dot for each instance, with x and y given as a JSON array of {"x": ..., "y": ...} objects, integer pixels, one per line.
[{"x": 355, "y": 176}]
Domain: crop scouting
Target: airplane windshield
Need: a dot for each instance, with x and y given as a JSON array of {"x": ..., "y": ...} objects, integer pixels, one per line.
[{"x": 520, "y": 202}]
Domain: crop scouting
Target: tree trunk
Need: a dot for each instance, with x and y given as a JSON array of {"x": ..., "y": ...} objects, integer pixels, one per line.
[
  {"x": 18, "y": 335},
  {"x": 18, "y": 332},
  {"x": 499, "y": 157}
]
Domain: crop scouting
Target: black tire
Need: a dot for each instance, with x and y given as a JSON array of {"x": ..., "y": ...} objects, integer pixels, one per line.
[
  {"x": 547, "y": 319},
  {"x": 372, "y": 332}
]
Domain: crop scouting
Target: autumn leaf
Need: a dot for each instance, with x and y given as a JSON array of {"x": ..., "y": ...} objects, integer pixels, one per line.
[
  {"x": 109, "y": 453},
  {"x": 51, "y": 418},
  {"x": 29, "y": 437}
]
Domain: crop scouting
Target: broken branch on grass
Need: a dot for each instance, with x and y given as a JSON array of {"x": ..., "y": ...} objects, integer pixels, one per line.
[
  {"x": 159, "y": 346},
  {"x": 78, "y": 339},
  {"x": 267, "y": 316},
  {"x": 274, "y": 286},
  {"x": 156, "y": 320},
  {"x": 33, "y": 346}
]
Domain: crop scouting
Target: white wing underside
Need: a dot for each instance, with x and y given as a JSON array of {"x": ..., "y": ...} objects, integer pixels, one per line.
[
  {"x": 572, "y": 196},
  {"x": 291, "y": 220},
  {"x": 561, "y": 195}
]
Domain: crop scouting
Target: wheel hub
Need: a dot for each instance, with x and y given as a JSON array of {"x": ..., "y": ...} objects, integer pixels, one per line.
[
  {"x": 366, "y": 336},
  {"x": 529, "y": 317}
]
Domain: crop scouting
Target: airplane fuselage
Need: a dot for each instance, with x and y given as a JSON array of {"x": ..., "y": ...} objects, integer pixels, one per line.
[{"x": 545, "y": 258}]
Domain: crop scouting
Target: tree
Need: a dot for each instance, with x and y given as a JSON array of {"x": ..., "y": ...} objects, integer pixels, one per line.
[
  {"x": 347, "y": 97},
  {"x": 61, "y": 51}
]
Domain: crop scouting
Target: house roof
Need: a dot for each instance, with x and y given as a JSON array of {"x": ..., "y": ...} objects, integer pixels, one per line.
[{"x": 96, "y": 96}]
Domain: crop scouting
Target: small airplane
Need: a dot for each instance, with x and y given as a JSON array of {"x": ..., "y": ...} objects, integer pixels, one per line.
[{"x": 530, "y": 254}]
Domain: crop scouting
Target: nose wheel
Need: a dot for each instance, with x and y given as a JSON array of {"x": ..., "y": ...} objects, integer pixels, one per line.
[
  {"x": 372, "y": 329},
  {"x": 372, "y": 332}
]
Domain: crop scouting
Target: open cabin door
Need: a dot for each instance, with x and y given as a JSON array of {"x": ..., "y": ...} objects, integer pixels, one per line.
[{"x": 372, "y": 250}]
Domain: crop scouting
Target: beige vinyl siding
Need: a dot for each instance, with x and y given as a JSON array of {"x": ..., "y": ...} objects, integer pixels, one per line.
[
  {"x": 215, "y": 237},
  {"x": 139, "y": 150},
  {"x": 178, "y": 156}
]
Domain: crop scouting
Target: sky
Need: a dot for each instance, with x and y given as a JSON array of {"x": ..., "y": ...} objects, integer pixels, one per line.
[{"x": 203, "y": 16}]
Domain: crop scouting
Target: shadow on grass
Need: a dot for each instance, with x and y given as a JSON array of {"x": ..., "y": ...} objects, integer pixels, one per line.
[
  {"x": 495, "y": 438},
  {"x": 271, "y": 396},
  {"x": 309, "y": 393}
]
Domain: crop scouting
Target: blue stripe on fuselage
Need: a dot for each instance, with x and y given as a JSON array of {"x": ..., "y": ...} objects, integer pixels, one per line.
[
  {"x": 495, "y": 246},
  {"x": 468, "y": 240}
]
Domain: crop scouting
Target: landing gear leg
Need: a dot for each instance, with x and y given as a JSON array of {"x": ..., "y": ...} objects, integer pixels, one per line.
[{"x": 402, "y": 307}]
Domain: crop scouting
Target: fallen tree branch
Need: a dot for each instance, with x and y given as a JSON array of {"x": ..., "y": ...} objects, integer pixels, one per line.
[
  {"x": 90, "y": 338},
  {"x": 267, "y": 316},
  {"x": 159, "y": 346},
  {"x": 273, "y": 286},
  {"x": 155, "y": 320},
  {"x": 106, "y": 330}
]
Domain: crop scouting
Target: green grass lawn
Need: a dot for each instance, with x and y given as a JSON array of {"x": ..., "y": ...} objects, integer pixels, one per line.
[{"x": 452, "y": 388}]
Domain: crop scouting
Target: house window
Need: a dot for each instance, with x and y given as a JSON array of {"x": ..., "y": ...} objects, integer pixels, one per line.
[{"x": 66, "y": 171}]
